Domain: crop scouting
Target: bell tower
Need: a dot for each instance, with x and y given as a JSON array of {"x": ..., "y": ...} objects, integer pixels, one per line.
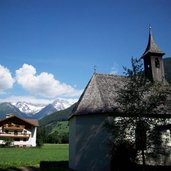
[{"x": 153, "y": 61}]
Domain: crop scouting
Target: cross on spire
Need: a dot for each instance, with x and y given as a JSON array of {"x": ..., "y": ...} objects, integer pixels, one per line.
[
  {"x": 95, "y": 69},
  {"x": 150, "y": 28}
]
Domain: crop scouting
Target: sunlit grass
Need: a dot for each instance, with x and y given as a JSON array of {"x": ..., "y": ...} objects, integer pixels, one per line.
[{"x": 16, "y": 157}]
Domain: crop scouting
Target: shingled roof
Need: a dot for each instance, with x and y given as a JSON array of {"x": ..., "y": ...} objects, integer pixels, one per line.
[
  {"x": 152, "y": 46},
  {"x": 100, "y": 95}
]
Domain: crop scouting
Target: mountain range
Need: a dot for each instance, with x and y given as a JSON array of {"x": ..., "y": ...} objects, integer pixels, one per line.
[{"x": 31, "y": 110}]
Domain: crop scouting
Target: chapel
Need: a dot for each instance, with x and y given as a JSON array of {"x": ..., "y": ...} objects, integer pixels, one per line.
[{"x": 89, "y": 147}]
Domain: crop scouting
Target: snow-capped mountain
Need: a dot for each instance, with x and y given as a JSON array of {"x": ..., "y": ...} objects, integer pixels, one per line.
[
  {"x": 33, "y": 108},
  {"x": 60, "y": 104},
  {"x": 29, "y": 108},
  {"x": 37, "y": 111}
]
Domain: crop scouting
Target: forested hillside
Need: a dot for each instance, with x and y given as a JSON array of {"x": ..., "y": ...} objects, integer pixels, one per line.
[
  {"x": 54, "y": 128},
  {"x": 61, "y": 115}
]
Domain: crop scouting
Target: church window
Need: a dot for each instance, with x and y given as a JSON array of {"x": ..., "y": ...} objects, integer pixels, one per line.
[{"x": 157, "y": 63}]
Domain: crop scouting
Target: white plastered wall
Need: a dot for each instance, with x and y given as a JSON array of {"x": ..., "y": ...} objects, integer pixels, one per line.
[{"x": 89, "y": 143}]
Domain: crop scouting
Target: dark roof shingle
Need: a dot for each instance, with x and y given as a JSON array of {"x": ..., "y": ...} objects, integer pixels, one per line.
[{"x": 100, "y": 94}]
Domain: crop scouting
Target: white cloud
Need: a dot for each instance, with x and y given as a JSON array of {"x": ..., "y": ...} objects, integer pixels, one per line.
[
  {"x": 115, "y": 69},
  {"x": 43, "y": 84},
  {"x": 6, "y": 80},
  {"x": 28, "y": 99}
]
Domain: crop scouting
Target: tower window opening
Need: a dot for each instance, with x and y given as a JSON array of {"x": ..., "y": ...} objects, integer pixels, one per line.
[{"x": 157, "y": 63}]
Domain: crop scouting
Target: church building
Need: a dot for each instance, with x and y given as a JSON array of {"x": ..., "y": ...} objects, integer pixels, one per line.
[{"x": 89, "y": 148}]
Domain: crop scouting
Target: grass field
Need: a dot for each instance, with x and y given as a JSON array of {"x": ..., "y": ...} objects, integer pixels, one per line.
[{"x": 16, "y": 157}]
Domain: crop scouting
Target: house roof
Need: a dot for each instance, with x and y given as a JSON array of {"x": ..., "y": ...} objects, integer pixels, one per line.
[
  {"x": 100, "y": 95},
  {"x": 152, "y": 47},
  {"x": 14, "y": 118}
]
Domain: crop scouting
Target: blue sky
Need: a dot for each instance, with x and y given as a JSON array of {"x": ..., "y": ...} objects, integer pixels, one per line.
[{"x": 48, "y": 47}]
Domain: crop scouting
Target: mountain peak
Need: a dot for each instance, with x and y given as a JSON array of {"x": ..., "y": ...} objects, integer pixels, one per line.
[
  {"x": 29, "y": 108},
  {"x": 34, "y": 110}
]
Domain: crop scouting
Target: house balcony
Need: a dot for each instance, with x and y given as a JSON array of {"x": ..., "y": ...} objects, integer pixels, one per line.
[
  {"x": 13, "y": 128},
  {"x": 12, "y": 135}
]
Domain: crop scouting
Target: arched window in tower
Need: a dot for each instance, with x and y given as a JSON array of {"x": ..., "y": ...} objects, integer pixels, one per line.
[{"x": 157, "y": 63}]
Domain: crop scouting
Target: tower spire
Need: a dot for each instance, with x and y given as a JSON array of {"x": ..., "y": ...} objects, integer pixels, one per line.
[
  {"x": 152, "y": 47},
  {"x": 153, "y": 61}
]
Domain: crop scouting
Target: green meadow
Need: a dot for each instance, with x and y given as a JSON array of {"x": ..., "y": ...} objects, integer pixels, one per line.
[{"x": 17, "y": 157}]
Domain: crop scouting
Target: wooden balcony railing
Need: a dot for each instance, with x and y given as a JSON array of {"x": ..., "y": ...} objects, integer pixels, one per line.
[
  {"x": 13, "y": 127},
  {"x": 14, "y": 135}
]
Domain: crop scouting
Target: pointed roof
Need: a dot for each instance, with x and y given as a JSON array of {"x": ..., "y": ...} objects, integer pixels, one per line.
[
  {"x": 100, "y": 95},
  {"x": 152, "y": 47}
]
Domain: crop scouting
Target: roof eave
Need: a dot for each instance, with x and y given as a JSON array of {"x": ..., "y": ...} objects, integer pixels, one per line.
[{"x": 148, "y": 53}]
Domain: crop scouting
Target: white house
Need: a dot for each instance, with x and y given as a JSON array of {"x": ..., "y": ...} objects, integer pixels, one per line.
[
  {"x": 89, "y": 148},
  {"x": 21, "y": 132}
]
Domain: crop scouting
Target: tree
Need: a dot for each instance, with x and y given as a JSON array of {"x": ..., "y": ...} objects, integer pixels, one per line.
[
  {"x": 41, "y": 135},
  {"x": 139, "y": 100}
]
